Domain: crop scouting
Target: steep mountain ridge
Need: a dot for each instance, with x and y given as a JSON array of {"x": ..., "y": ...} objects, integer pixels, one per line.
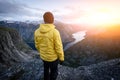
[{"x": 12, "y": 47}]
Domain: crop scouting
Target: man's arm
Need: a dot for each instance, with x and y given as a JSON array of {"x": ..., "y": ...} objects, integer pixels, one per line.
[{"x": 58, "y": 45}]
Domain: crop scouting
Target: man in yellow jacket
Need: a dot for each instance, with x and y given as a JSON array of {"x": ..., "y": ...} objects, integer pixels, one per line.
[{"x": 48, "y": 43}]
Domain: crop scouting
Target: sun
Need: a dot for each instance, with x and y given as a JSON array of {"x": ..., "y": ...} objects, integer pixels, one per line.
[{"x": 100, "y": 17}]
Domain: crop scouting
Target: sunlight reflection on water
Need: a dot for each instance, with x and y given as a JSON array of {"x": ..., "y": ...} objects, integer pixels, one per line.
[{"x": 78, "y": 36}]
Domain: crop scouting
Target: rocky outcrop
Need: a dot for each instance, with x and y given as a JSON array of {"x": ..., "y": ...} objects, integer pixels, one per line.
[
  {"x": 108, "y": 70},
  {"x": 32, "y": 70},
  {"x": 17, "y": 59},
  {"x": 12, "y": 47}
]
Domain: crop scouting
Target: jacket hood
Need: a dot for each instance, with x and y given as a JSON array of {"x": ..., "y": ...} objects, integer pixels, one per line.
[{"x": 46, "y": 27}]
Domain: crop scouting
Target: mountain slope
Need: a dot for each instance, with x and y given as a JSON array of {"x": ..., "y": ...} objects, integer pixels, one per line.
[
  {"x": 12, "y": 47},
  {"x": 108, "y": 70},
  {"x": 17, "y": 59},
  {"x": 96, "y": 47},
  {"x": 17, "y": 64}
]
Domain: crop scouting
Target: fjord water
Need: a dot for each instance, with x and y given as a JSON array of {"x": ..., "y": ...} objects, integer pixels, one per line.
[{"x": 78, "y": 36}]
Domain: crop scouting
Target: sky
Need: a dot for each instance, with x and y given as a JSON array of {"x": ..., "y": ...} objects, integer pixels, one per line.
[{"x": 69, "y": 11}]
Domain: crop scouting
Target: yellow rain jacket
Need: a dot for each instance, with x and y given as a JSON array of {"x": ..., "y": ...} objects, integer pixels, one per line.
[{"x": 48, "y": 43}]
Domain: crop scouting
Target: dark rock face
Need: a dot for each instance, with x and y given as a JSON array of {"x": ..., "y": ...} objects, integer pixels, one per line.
[
  {"x": 17, "y": 59},
  {"x": 32, "y": 70},
  {"x": 12, "y": 48},
  {"x": 108, "y": 70}
]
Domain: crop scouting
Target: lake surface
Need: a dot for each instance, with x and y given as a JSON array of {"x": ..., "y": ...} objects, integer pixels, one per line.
[{"x": 78, "y": 36}]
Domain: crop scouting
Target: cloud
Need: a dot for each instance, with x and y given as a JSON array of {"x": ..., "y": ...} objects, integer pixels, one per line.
[
  {"x": 7, "y": 7},
  {"x": 10, "y": 10},
  {"x": 73, "y": 13},
  {"x": 16, "y": 10}
]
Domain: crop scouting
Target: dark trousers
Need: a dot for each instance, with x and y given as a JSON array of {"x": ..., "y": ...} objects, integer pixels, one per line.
[{"x": 50, "y": 70}]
